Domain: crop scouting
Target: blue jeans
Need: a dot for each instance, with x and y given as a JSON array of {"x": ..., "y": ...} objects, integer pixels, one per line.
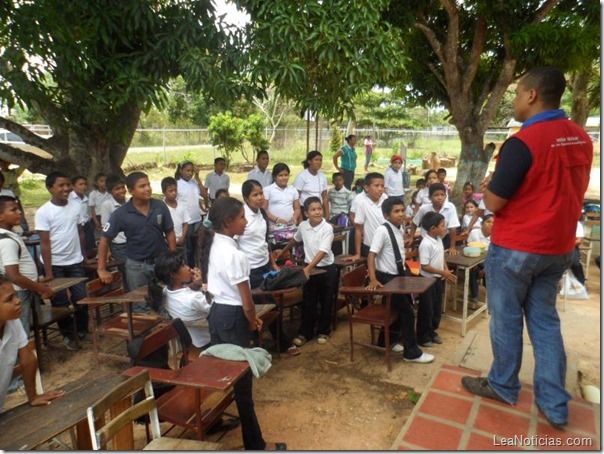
[
  {"x": 524, "y": 286},
  {"x": 137, "y": 275}
]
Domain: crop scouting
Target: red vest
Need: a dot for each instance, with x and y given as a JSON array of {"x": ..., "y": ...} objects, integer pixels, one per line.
[{"x": 542, "y": 215}]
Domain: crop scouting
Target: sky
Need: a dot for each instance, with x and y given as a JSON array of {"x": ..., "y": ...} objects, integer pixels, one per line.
[{"x": 233, "y": 15}]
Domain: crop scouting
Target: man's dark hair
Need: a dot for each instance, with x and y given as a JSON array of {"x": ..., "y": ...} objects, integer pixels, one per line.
[
  {"x": 389, "y": 204},
  {"x": 5, "y": 200},
  {"x": 260, "y": 153},
  {"x": 549, "y": 82},
  {"x": 336, "y": 174},
  {"x": 113, "y": 179},
  {"x": 52, "y": 178},
  {"x": 372, "y": 176},
  {"x": 436, "y": 187},
  {"x": 168, "y": 263},
  {"x": 133, "y": 178},
  {"x": 310, "y": 201},
  {"x": 167, "y": 182},
  {"x": 77, "y": 178},
  {"x": 441, "y": 170},
  {"x": 431, "y": 219},
  {"x": 217, "y": 160}
]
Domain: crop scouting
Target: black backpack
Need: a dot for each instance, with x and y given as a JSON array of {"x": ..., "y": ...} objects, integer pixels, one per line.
[{"x": 286, "y": 277}]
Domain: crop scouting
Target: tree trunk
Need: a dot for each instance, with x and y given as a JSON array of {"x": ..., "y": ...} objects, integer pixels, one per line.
[
  {"x": 473, "y": 161},
  {"x": 580, "y": 101}
]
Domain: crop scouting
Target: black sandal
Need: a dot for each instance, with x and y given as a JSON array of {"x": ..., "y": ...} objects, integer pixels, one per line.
[{"x": 280, "y": 447}]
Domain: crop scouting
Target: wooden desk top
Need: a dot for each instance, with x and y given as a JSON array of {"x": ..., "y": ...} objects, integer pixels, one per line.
[
  {"x": 259, "y": 292},
  {"x": 463, "y": 261},
  {"x": 399, "y": 285},
  {"x": 24, "y": 427},
  {"x": 135, "y": 296},
  {"x": 62, "y": 283},
  {"x": 342, "y": 260},
  {"x": 204, "y": 372}
]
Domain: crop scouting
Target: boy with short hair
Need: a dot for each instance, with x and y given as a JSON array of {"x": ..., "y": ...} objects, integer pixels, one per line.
[
  {"x": 317, "y": 236},
  {"x": 340, "y": 197},
  {"x": 59, "y": 224},
  {"x": 432, "y": 264},
  {"x": 260, "y": 173},
  {"x": 383, "y": 267},
  {"x": 218, "y": 179},
  {"x": 17, "y": 264},
  {"x": 180, "y": 216},
  {"x": 368, "y": 215},
  {"x": 438, "y": 194},
  {"x": 442, "y": 178},
  {"x": 148, "y": 226},
  {"x": 79, "y": 184},
  {"x": 13, "y": 345},
  {"x": 393, "y": 178}
]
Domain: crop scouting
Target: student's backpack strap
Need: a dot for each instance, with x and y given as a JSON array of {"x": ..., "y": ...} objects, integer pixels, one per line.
[
  {"x": 400, "y": 264},
  {"x": 6, "y": 236}
]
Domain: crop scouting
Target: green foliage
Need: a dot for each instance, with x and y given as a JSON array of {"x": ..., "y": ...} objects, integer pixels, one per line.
[
  {"x": 255, "y": 132},
  {"x": 337, "y": 139},
  {"x": 321, "y": 55},
  {"x": 227, "y": 133}
]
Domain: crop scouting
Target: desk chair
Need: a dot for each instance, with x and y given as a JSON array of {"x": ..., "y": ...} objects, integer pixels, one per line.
[
  {"x": 43, "y": 317},
  {"x": 107, "y": 323},
  {"x": 378, "y": 316},
  {"x": 193, "y": 409},
  {"x": 119, "y": 425}
]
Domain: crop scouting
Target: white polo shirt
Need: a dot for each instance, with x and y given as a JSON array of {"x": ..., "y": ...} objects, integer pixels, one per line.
[
  {"x": 82, "y": 203},
  {"x": 447, "y": 210},
  {"x": 381, "y": 245},
  {"x": 477, "y": 235},
  {"x": 356, "y": 200},
  {"x": 423, "y": 196},
  {"x": 316, "y": 239},
  {"x": 180, "y": 216},
  {"x": 281, "y": 200},
  {"x": 253, "y": 241},
  {"x": 189, "y": 306},
  {"x": 12, "y": 340},
  {"x": 228, "y": 266},
  {"x": 96, "y": 198},
  {"x": 264, "y": 178},
  {"x": 432, "y": 253},
  {"x": 310, "y": 185},
  {"x": 62, "y": 224},
  {"x": 370, "y": 215},
  {"x": 214, "y": 182},
  {"x": 393, "y": 182},
  {"x": 188, "y": 195},
  {"x": 9, "y": 255},
  {"x": 108, "y": 207}
]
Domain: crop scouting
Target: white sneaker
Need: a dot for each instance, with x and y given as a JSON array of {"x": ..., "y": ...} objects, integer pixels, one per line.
[
  {"x": 397, "y": 348},
  {"x": 424, "y": 359},
  {"x": 322, "y": 339}
]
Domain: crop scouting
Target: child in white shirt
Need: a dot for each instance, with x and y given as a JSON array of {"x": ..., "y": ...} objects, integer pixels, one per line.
[
  {"x": 483, "y": 235},
  {"x": 368, "y": 215},
  {"x": 183, "y": 298},
  {"x": 470, "y": 208},
  {"x": 178, "y": 211},
  {"x": 97, "y": 197},
  {"x": 383, "y": 267},
  {"x": 432, "y": 264},
  {"x": 319, "y": 290},
  {"x": 393, "y": 178}
]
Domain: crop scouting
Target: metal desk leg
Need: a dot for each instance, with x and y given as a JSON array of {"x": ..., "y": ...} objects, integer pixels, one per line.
[{"x": 464, "y": 317}]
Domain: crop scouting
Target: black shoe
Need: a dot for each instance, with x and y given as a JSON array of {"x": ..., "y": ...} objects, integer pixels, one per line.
[
  {"x": 426, "y": 344},
  {"x": 480, "y": 386},
  {"x": 436, "y": 339},
  {"x": 555, "y": 425}
]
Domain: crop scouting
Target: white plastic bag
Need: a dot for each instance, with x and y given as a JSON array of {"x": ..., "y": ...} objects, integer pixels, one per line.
[{"x": 573, "y": 289}]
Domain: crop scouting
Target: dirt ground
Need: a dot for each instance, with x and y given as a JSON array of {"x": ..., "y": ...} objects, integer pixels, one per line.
[{"x": 320, "y": 400}]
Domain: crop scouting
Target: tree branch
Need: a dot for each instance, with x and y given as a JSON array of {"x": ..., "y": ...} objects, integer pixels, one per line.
[
  {"x": 28, "y": 137},
  {"x": 506, "y": 77},
  {"x": 452, "y": 41},
  {"x": 25, "y": 159},
  {"x": 432, "y": 39},
  {"x": 544, "y": 10},
  {"x": 477, "y": 47}
]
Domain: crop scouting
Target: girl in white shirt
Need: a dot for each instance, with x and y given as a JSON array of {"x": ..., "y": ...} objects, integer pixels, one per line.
[
  {"x": 470, "y": 208},
  {"x": 311, "y": 182},
  {"x": 183, "y": 298},
  {"x": 226, "y": 270},
  {"x": 254, "y": 244},
  {"x": 281, "y": 199}
]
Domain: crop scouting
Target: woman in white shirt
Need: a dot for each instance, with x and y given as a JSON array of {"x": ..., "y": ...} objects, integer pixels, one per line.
[
  {"x": 311, "y": 182},
  {"x": 226, "y": 270},
  {"x": 281, "y": 199}
]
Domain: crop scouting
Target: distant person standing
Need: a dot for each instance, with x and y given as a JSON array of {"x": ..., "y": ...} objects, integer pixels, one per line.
[
  {"x": 545, "y": 168},
  {"x": 348, "y": 163},
  {"x": 369, "y": 145}
]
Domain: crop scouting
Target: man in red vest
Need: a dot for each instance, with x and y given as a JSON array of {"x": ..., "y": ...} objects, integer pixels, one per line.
[{"x": 536, "y": 193}]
